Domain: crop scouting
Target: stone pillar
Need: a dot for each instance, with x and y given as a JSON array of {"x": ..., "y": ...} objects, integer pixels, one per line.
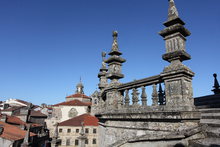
[
  {"x": 135, "y": 99},
  {"x": 26, "y": 142},
  {"x": 55, "y": 141},
  {"x": 144, "y": 97},
  {"x": 154, "y": 96},
  {"x": 127, "y": 99},
  {"x": 115, "y": 62},
  {"x": 113, "y": 96},
  {"x": 177, "y": 77}
]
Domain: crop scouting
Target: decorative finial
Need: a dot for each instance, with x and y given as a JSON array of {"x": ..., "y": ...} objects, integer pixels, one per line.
[
  {"x": 172, "y": 11},
  {"x": 115, "y": 42},
  {"x": 115, "y": 34},
  {"x": 216, "y": 86}
]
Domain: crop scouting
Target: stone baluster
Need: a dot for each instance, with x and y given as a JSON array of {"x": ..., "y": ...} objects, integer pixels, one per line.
[
  {"x": 144, "y": 97},
  {"x": 127, "y": 99},
  {"x": 135, "y": 97},
  {"x": 154, "y": 96}
]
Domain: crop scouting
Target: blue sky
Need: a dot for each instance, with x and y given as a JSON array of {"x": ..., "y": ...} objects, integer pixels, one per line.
[{"x": 46, "y": 45}]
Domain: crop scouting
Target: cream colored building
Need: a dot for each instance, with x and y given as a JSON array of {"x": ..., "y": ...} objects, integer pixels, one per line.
[
  {"x": 75, "y": 105},
  {"x": 70, "y": 130}
]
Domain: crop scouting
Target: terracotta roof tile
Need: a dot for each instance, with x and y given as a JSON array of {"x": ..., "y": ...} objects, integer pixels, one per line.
[
  {"x": 88, "y": 120},
  {"x": 11, "y": 132},
  {"x": 78, "y": 95},
  {"x": 37, "y": 114},
  {"x": 14, "y": 120},
  {"x": 21, "y": 101},
  {"x": 74, "y": 103}
]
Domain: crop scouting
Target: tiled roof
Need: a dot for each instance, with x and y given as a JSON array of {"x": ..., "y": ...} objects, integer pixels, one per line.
[
  {"x": 73, "y": 103},
  {"x": 13, "y": 108},
  {"x": 23, "y": 102},
  {"x": 87, "y": 119},
  {"x": 11, "y": 132},
  {"x": 78, "y": 95},
  {"x": 37, "y": 114},
  {"x": 14, "y": 120}
]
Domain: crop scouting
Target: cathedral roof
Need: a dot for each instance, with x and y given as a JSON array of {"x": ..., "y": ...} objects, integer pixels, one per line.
[
  {"x": 11, "y": 132},
  {"x": 74, "y": 103},
  {"x": 86, "y": 119},
  {"x": 78, "y": 95}
]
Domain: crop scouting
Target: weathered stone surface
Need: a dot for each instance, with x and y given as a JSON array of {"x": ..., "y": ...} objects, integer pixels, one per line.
[{"x": 175, "y": 120}]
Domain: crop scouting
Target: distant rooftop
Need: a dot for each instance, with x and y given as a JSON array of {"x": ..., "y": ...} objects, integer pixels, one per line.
[
  {"x": 74, "y": 103},
  {"x": 87, "y": 119}
]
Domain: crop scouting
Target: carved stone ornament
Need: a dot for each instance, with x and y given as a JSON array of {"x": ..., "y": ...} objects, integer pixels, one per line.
[{"x": 72, "y": 113}]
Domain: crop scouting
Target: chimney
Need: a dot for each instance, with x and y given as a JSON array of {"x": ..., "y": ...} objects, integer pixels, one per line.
[{"x": 4, "y": 118}]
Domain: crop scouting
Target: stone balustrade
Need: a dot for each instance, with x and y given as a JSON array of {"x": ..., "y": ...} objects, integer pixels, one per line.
[
  {"x": 133, "y": 94},
  {"x": 137, "y": 96}
]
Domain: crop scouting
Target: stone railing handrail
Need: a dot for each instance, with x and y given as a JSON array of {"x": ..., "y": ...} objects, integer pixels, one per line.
[{"x": 139, "y": 83}]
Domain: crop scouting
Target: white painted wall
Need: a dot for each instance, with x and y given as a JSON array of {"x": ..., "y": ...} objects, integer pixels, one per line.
[{"x": 65, "y": 111}]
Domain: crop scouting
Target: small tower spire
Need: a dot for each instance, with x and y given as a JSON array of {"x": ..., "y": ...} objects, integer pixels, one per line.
[
  {"x": 216, "y": 86},
  {"x": 79, "y": 87},
  {"x": 115, "y": 61},
  {"x": 103, "y": 81},
  {"x": 172, "y": 11}
]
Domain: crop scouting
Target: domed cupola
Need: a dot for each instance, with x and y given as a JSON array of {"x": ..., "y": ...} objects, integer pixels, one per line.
[{"x": 79, "y": 88}]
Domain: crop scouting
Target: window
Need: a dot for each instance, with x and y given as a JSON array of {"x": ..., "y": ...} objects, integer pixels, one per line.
[
  {"x": 77, "y": 130},
  {"x": 68, "y": 142},
  {"x": 68, "y": 130},
  {"x": 86, "y": 141},
  {"x": 76, "y": 142},
  {"x": 87, "y": 130},
  {"x": 94, "y": 141},
  {"x": 94, "y": 131},
  {"x": 95, "y": 101},
  {"x": 60, "y": 130}
]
